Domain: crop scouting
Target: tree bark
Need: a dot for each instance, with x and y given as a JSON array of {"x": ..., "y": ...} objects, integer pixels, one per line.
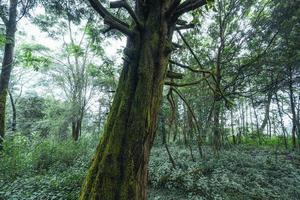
[
  {"x": 119, "y": 167},
  {"x": 292, "y": 105},
  {"x": 14, "y": 112},
  {"x": 232, "y": 127},
  {"x": 216, "y": 128},
  {"x": 282, "y": 123},
  {"x": 267, "y": 113},
  {"x": 76, "y": 129},
  {"x": 7, "y": 63}
]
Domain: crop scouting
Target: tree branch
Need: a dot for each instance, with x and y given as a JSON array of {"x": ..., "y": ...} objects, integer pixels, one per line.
[
  {"x": 125, "y": 4},
  {"x": 187, "y": 6},
  {"x": 184, "y": 27},
  {"x": 174, "y": 75},
  {"x": 196, "y": 58},
  {"x": 190, "y": 68},
  {"x": 186, "y": 84},
  {"x": 3, "y": 13},
  {"x": 109, "y": 19}
]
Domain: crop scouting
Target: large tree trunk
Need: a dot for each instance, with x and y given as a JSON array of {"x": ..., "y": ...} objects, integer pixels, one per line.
[
  {"x": 7, "y": 63},
  {"x": 119, "y": 168}
]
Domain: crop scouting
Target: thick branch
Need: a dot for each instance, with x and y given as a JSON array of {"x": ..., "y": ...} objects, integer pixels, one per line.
[
  {"x": 176, "y": 46},
  {"x": 109, "y": 18},
  {"x": 174, "y": 75},
  {"x": 187, "y": 6},
  {"x": 125, "y": 4},
  {"x": 184, "y": 27},
  {"x": 116, "y": 25}
]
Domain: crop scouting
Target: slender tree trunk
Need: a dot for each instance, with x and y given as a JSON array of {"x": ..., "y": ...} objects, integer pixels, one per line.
[
  {"x": 267, "y": 113},
  {"x": 190, "y": 126},
  {"x": 255, "y": 115},
  {"x": 251, "y": 119},
  {"x": 243, "y": 118},
  {"x": 270, "y": 128},
  {"x": 119, "y": 168},
  {"x": 216, "y": 128},
  {"x": 7, "y": 63},
  {"x": 164, "y": 141},
  {"x": 14, "y": 112},
  {"x": 292, "y": 105},
  {"x": 76, "y": 129},
  {"x": 232, "y": 127},
  {"x": 281, "y": 123}
]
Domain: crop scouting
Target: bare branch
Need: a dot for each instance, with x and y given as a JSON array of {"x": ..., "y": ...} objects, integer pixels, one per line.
[
  {"x": 186, "y": 84},
  {"x": 125, "y": 4},
  {"x": 190, "y": 68},
  {"x": 109, "y": 18},
  {"x": 25, "y": 8},
  {"x": 3, "y": 14},
  {"x": 196, "y": 58},
  {"x": 196, "y": 123}
]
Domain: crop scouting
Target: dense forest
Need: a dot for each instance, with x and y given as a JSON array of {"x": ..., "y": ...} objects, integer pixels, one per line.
[{"x": 149, "y": 99}]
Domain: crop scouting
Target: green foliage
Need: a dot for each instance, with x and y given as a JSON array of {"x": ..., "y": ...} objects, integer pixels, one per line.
[
  {"x": 30, "y": 113},
  {"x": 48, "y": 169},
  {"x": 13, "y": 158},
  {"x": 236, "y": 174},
  {"x": 29, "y": 55},
  {"x": 2, "y": 40},
  {"x": 75, "y": 50},
  {"x": 43, "y": 168}
]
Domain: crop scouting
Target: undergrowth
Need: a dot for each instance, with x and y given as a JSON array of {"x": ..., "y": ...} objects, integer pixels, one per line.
[{"x": 39, "y": 168}]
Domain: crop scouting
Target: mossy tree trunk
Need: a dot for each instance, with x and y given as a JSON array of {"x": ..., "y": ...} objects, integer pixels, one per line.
[
  {"x": 7, "y": 63},
  {"x": 14, "y": 112},
  {"x": 119, "y": 167}
]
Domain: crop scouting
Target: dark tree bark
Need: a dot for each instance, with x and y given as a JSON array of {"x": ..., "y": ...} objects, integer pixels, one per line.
[
  {"x": 76, "y": 129},
  {"x": 14, "y": 112},
  {"x": 119, "y": 168},
  {"x": 216, "y": 128},
  {"x": 232, "y": 127},
  {"x": 292, "y": 105},
  {"x": 7, "y": 63}
]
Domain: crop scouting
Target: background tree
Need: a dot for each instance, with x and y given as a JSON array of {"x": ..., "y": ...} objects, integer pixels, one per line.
[{"x": 10, "y": 17}]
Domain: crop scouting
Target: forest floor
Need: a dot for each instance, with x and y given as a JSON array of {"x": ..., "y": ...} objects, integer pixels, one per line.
[{"x": 51, "y": 170}]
